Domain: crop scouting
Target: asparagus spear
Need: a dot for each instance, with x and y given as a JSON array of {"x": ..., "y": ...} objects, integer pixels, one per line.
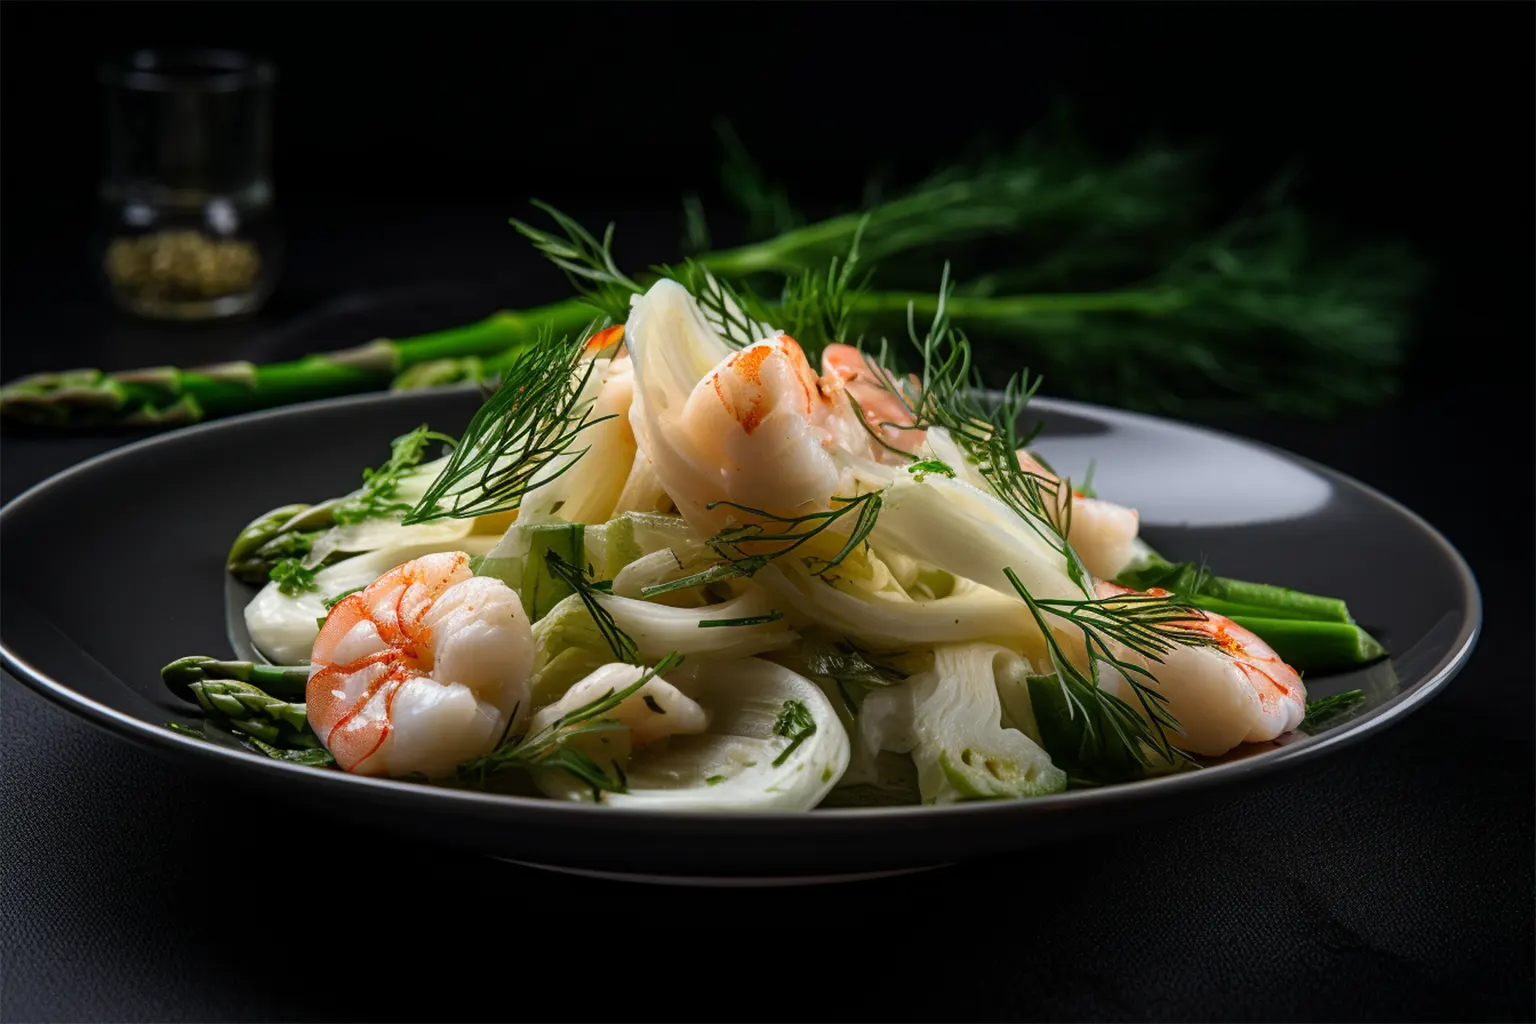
[
  {"x": 1224, "y": 596},
  {"x": 183, "y": 674},
  {"x": 1311, "y": 632},
  {"x": 167, "y": 395},
  {"x": 1315, "y": 647},
  {"x": 248, "y": 709}
]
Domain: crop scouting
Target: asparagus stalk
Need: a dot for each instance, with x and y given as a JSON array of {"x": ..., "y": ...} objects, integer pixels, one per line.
[
  {"x": 168, "y": 395},
  {"x": 1219, "y": 593},
  {"x": 1315, "y": 647},
  {"x": 248, "y": 709},
  {"x": 183, "y": 674}
]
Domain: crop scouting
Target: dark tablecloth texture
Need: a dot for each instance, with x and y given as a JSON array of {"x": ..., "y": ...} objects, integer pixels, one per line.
[{"x": 1391, "y": 881}]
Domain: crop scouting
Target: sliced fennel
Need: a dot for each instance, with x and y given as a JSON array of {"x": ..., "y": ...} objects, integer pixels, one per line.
[
  {"x": 283, "y": 628},
  {"x": 608, "y": 547},
  {"x": 773, "y": 743},
  {"x": 659, "y": 629},
  {"x": 950, "y": 718},
  {"x": 888, "y": 621},
  {"x": 583, "y": 483}
]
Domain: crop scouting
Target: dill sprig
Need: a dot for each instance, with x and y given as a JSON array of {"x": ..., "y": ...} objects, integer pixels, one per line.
[
  {"x": 736, "y": 313},
  {"x": 945, "y": 393},
  {"x": 550, "y": 747},
  {"x": 733, "y": 543},
  {"x": 818, "y": 308},
  {"x": 587, "y": 261},
  {"x": 533, "y": 418},
  {"x": 741, "y": 558},
  {"x": 588, "y": 591},
  {"x": 1325, "y": 709},
  {"x": 380, "y": 486},
  {"x": 1110, "y": 724},
  {"x": 844, "y": 665}
]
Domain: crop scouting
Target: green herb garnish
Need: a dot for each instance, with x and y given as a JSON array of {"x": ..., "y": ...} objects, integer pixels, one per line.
[
  {"x": 292, "y": 578},
  {"x": 795, "y": 722}
]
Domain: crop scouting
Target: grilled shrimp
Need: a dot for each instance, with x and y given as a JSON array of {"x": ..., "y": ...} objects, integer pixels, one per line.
[
  {"x": 1234, "y": 691},
  {"x": 421, "y": 670}
]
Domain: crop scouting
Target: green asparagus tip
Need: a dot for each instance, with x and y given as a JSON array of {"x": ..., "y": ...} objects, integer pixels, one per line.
[
  {"x": 180, "y": 674},
  {"x": 259, "y": 531},
  {"x": 1370, "y": 647}
]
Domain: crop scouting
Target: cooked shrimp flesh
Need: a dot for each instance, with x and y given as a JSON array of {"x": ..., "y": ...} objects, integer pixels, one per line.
[{"x": 425, "y": 668}]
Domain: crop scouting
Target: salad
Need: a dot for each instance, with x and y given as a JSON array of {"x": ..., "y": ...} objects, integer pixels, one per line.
[{"x": 686, "y": 561}]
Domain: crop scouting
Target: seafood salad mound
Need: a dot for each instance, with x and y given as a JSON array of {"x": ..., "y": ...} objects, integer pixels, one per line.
[{"x": 684, "y": 562}]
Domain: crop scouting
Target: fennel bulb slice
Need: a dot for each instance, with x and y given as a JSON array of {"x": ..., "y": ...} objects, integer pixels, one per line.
[
  {"x": 773, "y": 743},
  {"x": 959, "y": 744}
]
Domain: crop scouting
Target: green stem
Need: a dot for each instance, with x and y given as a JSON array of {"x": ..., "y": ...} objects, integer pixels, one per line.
[
  {"x": 1315, "y": 647},
  {"x": 1187, "y": 581},
  {"x": 785, "y": 253},
  {"x": 976, "y": 308},
  {"x": 183, "y": 674},
  {"x": 248, "y": 709},
  {"x": 1233, "y": 609},
  {"x": 161, "y": 395}
]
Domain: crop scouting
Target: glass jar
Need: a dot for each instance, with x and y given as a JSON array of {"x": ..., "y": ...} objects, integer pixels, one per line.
[{"x": 188, "y": 231}]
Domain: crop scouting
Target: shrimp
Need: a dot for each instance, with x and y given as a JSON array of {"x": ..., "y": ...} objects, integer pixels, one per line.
[
  {"x": 1237, "y": 690},
  {"x": 885, "y": 411},
  {"x": 1102, "y": 533},
  {"x": 754, "y": 427},
  {"x": 425, "y": 668},
  {"x": 765, "y": 407}
]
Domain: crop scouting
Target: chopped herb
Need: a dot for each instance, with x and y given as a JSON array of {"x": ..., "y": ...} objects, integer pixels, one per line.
[
  {"x": 923, "y": 467},
  {"x": 714, "y": 780},
  {"x": 748, "y": 620},
  {"x": 826, "y": 774},
  {"x": 796, "y": 723},
  {"x": 292, "y": 578}
]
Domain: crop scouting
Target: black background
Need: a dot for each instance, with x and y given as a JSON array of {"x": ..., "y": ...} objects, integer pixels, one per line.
[{"x": 1392, "y": 882}]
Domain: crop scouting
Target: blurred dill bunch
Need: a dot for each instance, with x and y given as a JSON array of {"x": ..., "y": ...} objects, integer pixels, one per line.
[{"x": 1121, "y": 281}]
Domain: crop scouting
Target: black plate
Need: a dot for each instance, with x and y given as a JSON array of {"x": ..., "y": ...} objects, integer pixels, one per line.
[{"x": 115, "y": 567}]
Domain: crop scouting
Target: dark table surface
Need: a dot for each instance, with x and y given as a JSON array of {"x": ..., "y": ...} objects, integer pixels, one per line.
[{"x": 1393, "y": 880}]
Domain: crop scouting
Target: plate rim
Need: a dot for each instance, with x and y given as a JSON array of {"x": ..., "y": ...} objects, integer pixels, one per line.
[{"x": 554, "y": 813}]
